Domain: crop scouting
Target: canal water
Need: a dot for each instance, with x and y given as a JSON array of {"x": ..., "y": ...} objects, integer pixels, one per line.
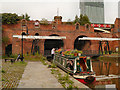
[{"x": 107, "y": 74}]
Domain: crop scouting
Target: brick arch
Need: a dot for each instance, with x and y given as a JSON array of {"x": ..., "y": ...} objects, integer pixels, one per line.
[
  {"x": 79, "y": 34},
  {"x": 82, "y": 44},
  {"x": 36, "y": 34},
  {"x": 49, "y": 44},
  {"x": 51, "y": 33}
]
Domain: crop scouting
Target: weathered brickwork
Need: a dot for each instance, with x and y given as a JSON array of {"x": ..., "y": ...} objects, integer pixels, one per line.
[{"x": 61, "y": 29}]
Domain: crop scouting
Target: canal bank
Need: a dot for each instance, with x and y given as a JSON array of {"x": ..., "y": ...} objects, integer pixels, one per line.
[{"x": 37, "y": 75}]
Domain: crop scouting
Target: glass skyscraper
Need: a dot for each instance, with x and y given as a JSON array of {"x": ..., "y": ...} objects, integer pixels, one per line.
[
  {"x": 94, "y": 9},
  {"x": 119, "y": 9}
]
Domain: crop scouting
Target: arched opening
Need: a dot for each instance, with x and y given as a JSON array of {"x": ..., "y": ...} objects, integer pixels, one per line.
[
  {"x": 77, "y": 26},
  {"x": 23, "y": 33},
  {"x": 36, "y": 34},
  {"x": 81, "y": 44},
  {"x": 52, "y": 43},
  {"x": 8, "y": 50},
  {"x": 37, "y": 24}
]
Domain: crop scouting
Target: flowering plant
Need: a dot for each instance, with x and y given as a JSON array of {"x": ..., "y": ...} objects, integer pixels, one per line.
[
  {"x": 68, "y": 52},
  {"x": 59, "y": 50}
]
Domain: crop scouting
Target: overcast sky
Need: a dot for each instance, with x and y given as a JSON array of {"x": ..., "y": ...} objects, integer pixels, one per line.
[{"x": 68, "y": 9}]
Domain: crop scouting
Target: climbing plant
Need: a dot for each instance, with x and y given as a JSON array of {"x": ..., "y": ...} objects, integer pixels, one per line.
[{"x": 5, "y": 40}]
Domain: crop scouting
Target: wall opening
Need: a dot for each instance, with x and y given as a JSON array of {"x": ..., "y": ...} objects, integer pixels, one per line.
[
  {"x": 23, "y": 33},
  {"x": 82, "y": 44},
  {"x": 8, "y": 50},
  {"x": 52, "y": 43},
  {"x": 36, "y": 34},
  {"x": 77, "y": 26}
]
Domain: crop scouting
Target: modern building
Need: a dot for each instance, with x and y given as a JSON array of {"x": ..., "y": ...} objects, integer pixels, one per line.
[
  {"x": 119, "y": 9},
  {"x": 94, "y": 9}
]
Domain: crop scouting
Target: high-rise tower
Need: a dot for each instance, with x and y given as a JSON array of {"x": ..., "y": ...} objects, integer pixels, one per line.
[
  {"x": 94, "y": 9},
  {"x": 119, "y": 9}
]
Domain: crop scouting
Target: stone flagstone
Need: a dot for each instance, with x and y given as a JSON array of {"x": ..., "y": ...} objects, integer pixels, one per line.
[{"x": 37, "y": 75}]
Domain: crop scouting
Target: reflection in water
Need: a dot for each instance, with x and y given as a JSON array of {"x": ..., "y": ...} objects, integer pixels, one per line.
[{"x": 106, "y": 68}]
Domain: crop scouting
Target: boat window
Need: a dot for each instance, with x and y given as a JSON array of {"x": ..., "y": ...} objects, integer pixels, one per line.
[
  {"x": 81, "y": 65},
  {"x": 70, "y": 64}
]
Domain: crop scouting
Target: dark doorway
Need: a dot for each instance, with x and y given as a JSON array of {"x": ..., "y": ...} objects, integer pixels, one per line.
[
  {"x": 81, "y": 44},
  {"x": 52, "y": 43},
  {"x": 8, "y": 50},
  {"x": 35, "y": 46}
]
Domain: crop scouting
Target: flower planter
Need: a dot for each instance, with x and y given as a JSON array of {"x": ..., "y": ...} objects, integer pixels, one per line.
[{"x": 75, "y": 54}]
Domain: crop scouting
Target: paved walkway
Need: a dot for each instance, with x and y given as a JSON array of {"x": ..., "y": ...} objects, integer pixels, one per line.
[{"x": 36, "y": 75}]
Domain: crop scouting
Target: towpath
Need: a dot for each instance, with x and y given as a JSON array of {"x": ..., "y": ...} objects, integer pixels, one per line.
[{"x": 37, "y": 75}]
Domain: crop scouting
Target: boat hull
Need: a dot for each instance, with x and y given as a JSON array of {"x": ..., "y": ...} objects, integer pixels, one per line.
[{"x": 85, "y": 79}]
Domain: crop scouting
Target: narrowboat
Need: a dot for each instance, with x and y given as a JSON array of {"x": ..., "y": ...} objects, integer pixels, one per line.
[{"x": 80, "y": 67}]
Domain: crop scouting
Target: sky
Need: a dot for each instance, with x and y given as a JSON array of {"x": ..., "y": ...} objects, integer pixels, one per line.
[{"x": 68, "y": 9}]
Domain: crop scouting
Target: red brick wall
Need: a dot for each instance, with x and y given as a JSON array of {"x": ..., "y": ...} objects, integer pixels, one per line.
[{"x": 45, "y": 30}]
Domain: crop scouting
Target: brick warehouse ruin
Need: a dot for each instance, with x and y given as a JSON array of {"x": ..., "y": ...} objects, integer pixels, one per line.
[{"x": 56, "y": 28}]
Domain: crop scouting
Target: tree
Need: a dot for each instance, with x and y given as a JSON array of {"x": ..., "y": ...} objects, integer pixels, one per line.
[
  {"x": 26, "y": 17},
  {"x": 84, "y": 20},
  {"x": 81, "y": 19},
  {"x": 5, "y": 40},
  {"x": 76, "y": 19},
  {"x": 9, "y": 18}
]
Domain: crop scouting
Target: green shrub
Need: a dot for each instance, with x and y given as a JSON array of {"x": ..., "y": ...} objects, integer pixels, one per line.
[
  {"x": 3, "y": 71},
  {"x": 70, "y": 87},
  {"x": 3, "y": 79},
  {"x": 11, "y": 56},
  {"x": 52, "y": 66},
  {"x": 14, "y": 56}
]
